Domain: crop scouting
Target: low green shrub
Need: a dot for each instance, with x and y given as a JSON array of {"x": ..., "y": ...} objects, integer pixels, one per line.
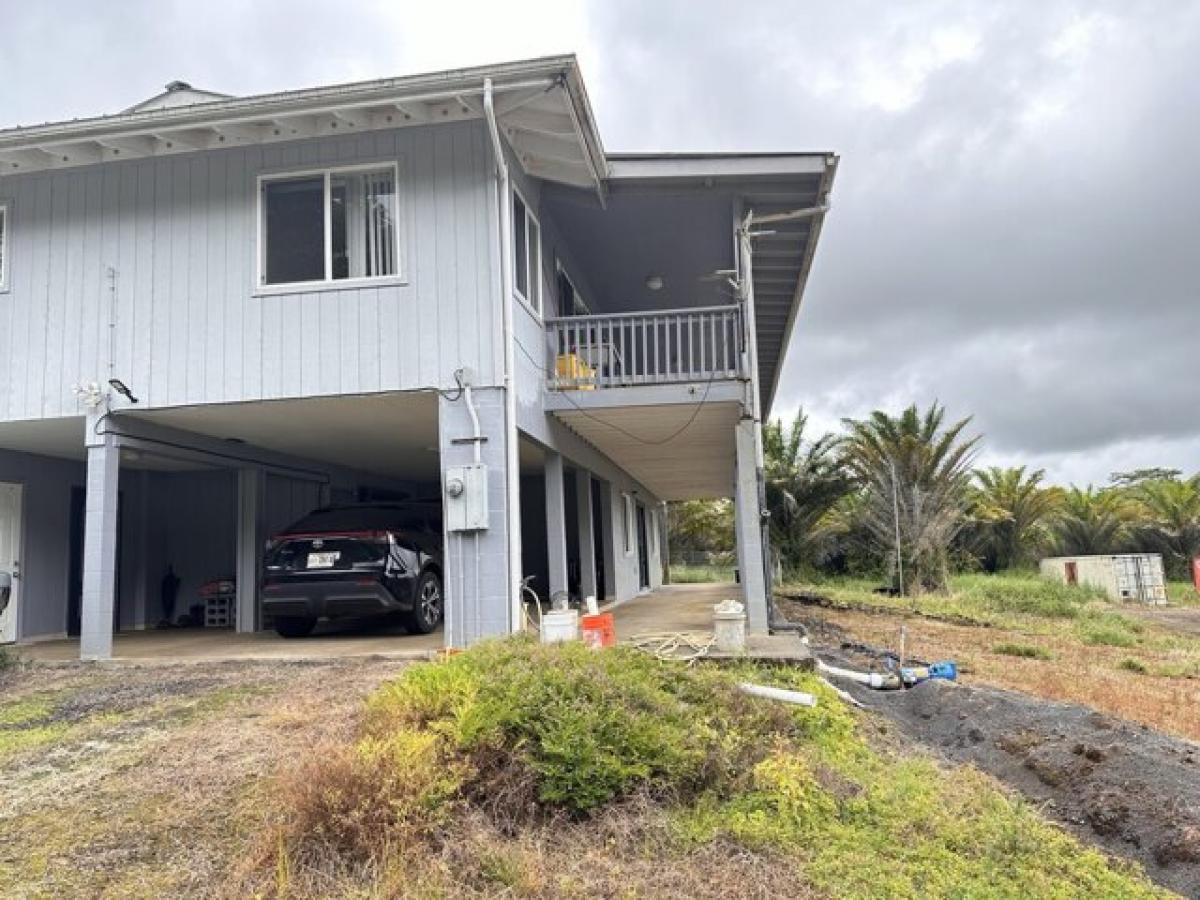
[
  {"x": 580, "y": 728},
  {"x": 1024, "y": 651},
  {"x": 534, "y": 740},
  {"x": 1129, "y": 664},
  {"x": 8, "y": 659}
]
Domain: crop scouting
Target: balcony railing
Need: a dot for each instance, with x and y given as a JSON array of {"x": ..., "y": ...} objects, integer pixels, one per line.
[{"x": 659, "y": 347}]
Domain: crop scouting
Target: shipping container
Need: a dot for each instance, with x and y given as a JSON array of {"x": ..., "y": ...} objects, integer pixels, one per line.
[{"x": 1122, "y": 576}]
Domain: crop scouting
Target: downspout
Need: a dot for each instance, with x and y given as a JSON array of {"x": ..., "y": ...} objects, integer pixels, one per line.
[
  {"x": 512, "y": 463},
  {"x": 746, "y": 281},
  {"x": 746, "y": 263}
]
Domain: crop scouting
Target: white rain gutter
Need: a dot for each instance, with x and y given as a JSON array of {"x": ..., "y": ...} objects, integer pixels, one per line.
[{"x": 512, "y": 462}]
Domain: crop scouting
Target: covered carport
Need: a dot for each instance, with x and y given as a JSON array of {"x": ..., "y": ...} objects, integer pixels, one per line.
[{"x": 199, "y": 490}]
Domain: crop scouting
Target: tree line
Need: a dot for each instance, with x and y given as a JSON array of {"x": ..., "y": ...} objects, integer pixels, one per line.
[{"x": 896, "y": 495}]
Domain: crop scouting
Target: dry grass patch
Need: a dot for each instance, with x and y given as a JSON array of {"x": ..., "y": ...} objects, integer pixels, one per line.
[
  {"x": 527, "y": 771},
  {"x": 1073, "y": 672}
]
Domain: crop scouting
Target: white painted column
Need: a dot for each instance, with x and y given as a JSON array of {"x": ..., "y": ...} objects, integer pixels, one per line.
[
  {"x": 587, "y": 537},
  {"x": 748, "y": 526},
  {"x": 250, "y": 538},
  {"x": 99, "y": 540},
  {"x": 476, "y": 578},
  {"x": 556, "y": 523}
]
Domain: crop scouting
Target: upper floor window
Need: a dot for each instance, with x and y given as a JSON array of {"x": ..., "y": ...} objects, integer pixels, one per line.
[
  {"x": 332, "y": 225},
  {"x": 3, "y": 246},
  {"x": 527, "y": 254}
]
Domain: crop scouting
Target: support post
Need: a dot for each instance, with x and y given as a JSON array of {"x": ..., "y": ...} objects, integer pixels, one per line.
[
  {"x": 587, "y": 536},
  {"x": 556, "y": 523},
  {"x": 250, "y": 537},
  {"x": 477, "y": 576},
  {"x": 748, "y": 524},
  {"x": 608, "y": 543},
  {"x": 99, "y": 539}
]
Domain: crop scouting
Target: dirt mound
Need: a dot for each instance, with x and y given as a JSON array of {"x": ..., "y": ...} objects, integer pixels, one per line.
[{"x": 1129, "y": 789}]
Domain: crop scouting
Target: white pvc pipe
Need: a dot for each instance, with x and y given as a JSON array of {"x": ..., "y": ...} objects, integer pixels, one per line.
[{"x": 800, "y": 698}]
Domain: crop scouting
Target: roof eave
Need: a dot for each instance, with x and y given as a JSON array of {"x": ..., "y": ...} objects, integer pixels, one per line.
[
  {"x": 823, "y": 193},
  {"x": 241, "y": 109}
]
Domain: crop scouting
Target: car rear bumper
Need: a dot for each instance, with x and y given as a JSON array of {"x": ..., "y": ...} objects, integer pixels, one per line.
[{"x": 329, "y": 599}]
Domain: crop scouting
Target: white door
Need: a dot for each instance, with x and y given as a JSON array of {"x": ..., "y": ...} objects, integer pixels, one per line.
[{"x": 10, "y": 555}]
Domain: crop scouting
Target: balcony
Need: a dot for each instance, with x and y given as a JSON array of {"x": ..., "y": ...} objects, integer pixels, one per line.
[{"x": 638, "y": 349}]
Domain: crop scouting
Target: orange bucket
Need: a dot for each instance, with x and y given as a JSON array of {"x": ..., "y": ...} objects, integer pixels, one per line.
[{"x": 598, "y": 631}]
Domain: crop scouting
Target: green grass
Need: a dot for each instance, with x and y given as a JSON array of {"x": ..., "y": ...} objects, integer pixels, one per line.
[
  {"x": 685, "y": 574},
  {"x": 1129, "y": 664},
  {"x": 1002, "y": 600},
  {"x": 1020, "y": 602},
  {"x": 1109, "y": 630},
  {"x": 1023, "y": 651},
  {"x": 1182, "y": 593},
  {"x": 533, "y": 734}
]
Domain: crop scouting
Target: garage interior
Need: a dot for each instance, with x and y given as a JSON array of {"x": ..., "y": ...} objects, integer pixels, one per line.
[{"x": 180, "y": 497}]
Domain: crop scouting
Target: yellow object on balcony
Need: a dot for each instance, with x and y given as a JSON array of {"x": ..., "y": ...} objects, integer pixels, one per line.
[{"x": 574, "y": 374}]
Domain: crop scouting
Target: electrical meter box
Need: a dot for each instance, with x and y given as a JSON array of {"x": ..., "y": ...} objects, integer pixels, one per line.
[{"x": 466, "y": 504}]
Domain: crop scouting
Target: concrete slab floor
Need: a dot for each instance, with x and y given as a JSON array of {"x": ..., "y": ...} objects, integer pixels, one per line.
[
  {"x": 330, "y": 641},
  {"x": 673, "y": 609},
  {"x": 687, "y": 609}
]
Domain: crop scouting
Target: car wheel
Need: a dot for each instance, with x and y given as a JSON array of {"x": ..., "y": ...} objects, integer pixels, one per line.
[
  {"x": 428, "y": 604},
  {"x": 294, "y": 627}
]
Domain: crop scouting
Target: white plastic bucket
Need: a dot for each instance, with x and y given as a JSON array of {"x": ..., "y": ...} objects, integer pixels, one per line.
[
  {"x": 729, "y": 627},
  {"x": 560, "y": 626}
]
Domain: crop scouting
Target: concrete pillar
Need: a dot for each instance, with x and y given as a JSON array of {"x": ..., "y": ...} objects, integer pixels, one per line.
[
  {"x": 477, "y": 579},
  {"x": 250, "y": 540},
  {"x": 556, "y": 523},
  {"x": 748, "y": 526},
  {"x": 99, "y": 541},
  {"x": 587, "y": 536}
]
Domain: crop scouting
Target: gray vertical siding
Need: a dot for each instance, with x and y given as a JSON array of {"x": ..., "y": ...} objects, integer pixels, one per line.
[{"x": 181, "y": 233}]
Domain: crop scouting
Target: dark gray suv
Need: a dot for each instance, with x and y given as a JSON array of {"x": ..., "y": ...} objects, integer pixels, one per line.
[{"x": 377, "y": 559}]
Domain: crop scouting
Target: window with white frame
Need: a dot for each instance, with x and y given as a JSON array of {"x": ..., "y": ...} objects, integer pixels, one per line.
[
  {"x": 3, "y": 246},
  {"x": 330, "y": 225},
  {"x": 527, "y": 254}
]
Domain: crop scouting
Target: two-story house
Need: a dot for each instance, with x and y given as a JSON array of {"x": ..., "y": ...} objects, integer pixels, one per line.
[{"x": 217, "y": 313}]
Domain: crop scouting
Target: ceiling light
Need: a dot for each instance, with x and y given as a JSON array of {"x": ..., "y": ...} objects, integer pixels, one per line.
[{"x": 654, "y": 282}]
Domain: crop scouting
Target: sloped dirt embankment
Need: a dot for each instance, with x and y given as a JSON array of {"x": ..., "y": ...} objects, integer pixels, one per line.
[{"x": 1129, "y": 789}]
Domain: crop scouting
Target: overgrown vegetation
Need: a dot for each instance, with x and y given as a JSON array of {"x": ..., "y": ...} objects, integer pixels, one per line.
[
  {"x": 842, "y": 503},
  {"x": 508, "y": 754}
]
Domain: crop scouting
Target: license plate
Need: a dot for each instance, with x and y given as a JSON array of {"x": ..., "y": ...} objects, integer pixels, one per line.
[{"x": 324, "y": 560}]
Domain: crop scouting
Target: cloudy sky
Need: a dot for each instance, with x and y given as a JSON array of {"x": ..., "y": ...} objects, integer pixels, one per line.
[{"x": 1016, "y": 223}]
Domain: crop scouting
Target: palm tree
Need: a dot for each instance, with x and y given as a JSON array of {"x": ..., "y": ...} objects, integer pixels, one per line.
[
  {"x": 1009, "y": 511},
  {"x": 1170, "y": 520},
  {"x": 803, "y": 482},
  {"x": 1091, "y": 521},
  {"x": 915, "y": 472}
]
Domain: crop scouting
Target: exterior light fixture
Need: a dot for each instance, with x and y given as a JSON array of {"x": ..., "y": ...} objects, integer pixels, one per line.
[
  {"x": 119, "y": 386},
  {"x": 654, "y": 282}
]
